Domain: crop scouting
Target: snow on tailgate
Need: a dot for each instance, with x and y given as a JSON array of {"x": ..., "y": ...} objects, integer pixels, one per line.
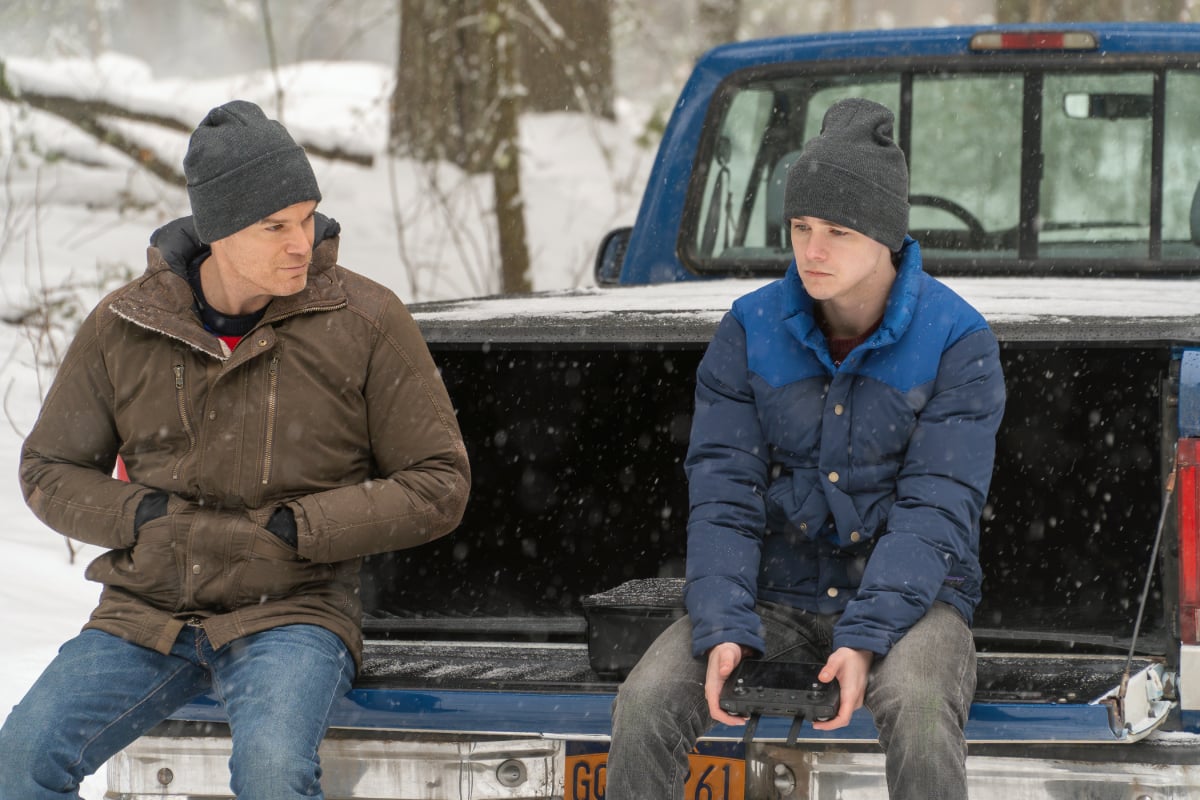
[{"x": 1053, "y": 309}]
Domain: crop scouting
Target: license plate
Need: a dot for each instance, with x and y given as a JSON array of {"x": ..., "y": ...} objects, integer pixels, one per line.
[{"x": 709, "y": 777}]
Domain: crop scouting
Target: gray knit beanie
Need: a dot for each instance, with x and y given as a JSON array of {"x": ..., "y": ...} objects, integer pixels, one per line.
[
  {"x": 852, "y": 174},
  {"x": 242, "y": 167}
]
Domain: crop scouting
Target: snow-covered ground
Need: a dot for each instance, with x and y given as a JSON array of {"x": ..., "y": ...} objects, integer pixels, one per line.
[{"x": 76, "y": 216}]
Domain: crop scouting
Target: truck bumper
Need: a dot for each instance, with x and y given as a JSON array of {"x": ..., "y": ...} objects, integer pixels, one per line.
[
  {"x": 183, "y": 765},
  {"x": 185, "y": 761},
  {"x": 785, "y": 773}
]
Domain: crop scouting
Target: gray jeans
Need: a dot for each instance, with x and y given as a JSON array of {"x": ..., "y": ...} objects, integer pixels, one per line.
[{"x": 919, "y": 696}]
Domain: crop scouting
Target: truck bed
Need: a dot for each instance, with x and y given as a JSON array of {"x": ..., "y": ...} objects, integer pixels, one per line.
[{"x": 577, "y": 454}]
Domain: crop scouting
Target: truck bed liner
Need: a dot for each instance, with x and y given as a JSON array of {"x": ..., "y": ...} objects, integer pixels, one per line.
[
  {"x": 477, "y": 665},
  {"x": 1003, "y": 677}
]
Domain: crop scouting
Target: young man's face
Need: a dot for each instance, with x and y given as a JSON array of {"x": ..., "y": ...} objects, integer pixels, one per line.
[
  {"x": 837, "y": 263},
  {"x": 267, "y": 259}
]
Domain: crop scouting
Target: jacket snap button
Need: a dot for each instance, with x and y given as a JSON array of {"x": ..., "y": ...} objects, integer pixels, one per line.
[
  {"x": 262, "y": 342},
  {"x": 833, "y": 477},
  {"x": 212, "y": 415},
  {"x": 855, "y": 536},
  {"x": 803, "y": 527},
  {"x": 832, "y": 591},
  {"x": 838, "y": 409},
  {"x": 195, "y": 569}
]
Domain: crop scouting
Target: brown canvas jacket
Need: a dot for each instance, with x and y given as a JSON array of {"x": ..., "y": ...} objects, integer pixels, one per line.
[{"x": 331, "y": 405}]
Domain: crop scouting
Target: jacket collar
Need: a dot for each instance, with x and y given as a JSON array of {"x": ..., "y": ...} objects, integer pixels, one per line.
[
  {"x": 161, "y": 299},
  {"x": 798, "y": 305},
  {"x": 902, "y": 301}
]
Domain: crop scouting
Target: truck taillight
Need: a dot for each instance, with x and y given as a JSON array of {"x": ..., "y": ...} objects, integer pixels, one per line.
[
  {"x": 1187, "y": 462},
  {"x": 1033, "y": 40}
]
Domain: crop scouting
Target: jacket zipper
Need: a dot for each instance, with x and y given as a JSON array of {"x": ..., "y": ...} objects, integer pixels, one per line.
[
  {"x": 272, "y": 389},
  {"x": 181, "y": 398}
]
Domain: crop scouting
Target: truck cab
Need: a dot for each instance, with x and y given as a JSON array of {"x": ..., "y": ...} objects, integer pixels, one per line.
[{"x": 1030, "y": 152}]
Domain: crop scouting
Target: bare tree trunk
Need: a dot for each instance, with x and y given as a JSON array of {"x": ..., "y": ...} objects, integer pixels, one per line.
[
  {"x": 1011, "y": 10},
  {"x": 458, "y": 99},
  {"x": 272, "y": 57},
  {"x": 718, "y": 21},
  {"x": 1081, "y": 10},
  {"x": 506, "y": 156},
  {"x": 565, "y": 55},
  {"x": 845, "y": 12},
  {"x": 440, "y": 101},
  {"x": 96, "y": 30},
  {"x": 562, "y": 60}
]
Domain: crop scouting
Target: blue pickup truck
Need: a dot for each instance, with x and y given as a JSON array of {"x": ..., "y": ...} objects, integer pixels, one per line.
[{"x": 1056, "y": 185}]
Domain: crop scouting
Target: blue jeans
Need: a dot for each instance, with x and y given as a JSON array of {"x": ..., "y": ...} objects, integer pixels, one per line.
[
  {"x": 101, "y": 692},
  {"x": 919, "y": 696}
]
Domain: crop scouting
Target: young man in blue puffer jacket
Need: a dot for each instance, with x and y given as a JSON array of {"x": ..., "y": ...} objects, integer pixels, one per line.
[{"x": 841, "y": 452}]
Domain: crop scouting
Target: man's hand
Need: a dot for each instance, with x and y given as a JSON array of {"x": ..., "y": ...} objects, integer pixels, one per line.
[
  {"x": 152, "y": 506},
  {"x": 283, "y": 524},
  {"x": 851, "y": 668},
  {"x": 721, "y": 661}
]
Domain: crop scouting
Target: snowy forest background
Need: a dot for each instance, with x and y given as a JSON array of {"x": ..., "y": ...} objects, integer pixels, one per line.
[
  {"x": 454, "y": 94},
  {"x": 468, "y": 147}
]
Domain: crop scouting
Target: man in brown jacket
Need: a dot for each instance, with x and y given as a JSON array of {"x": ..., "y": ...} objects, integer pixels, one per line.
[{"x": 279, "y": 417}]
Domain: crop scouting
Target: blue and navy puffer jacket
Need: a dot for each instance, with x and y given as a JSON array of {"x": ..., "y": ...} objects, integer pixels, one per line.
[{"x": 853, "y": 488}]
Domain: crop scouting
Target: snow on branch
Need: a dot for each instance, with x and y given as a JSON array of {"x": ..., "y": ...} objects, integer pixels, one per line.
[{"x": 93, "y": 115}]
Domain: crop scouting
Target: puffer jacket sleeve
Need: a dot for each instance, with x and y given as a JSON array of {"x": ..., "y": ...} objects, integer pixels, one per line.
[
  {"x": 423, "y": 474},
  {"x": 941, "y": 488},
  {"x": 67, "y": 460},
  {"x": 727, "y": 473}
]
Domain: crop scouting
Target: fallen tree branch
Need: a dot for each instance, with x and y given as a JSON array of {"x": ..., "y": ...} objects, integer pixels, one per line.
[{"x": 89, "y": 115}]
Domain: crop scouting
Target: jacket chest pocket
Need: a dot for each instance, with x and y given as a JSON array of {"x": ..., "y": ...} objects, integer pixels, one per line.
[
  {"x": 156, "y": 417},
  {"x": 228, "y": 424}
]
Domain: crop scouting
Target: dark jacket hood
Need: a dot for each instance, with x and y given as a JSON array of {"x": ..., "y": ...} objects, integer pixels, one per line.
[{"x": 179, "y": 243}]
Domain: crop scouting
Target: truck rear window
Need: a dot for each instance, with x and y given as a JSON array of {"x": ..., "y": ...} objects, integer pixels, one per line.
[{"x": 1062, "y": 168}]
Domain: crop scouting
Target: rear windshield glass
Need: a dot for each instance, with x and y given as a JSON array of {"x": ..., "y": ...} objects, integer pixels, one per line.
[{"x": 1070, "y": 170}]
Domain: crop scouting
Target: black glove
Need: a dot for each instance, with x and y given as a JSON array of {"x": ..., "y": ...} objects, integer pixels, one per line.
[
  {"x": 150, "y": 507},
  {"x": 283, "y": 524}
]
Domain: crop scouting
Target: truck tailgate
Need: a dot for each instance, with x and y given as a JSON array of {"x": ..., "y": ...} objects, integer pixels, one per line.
[{"x": 549, "y": 690}]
